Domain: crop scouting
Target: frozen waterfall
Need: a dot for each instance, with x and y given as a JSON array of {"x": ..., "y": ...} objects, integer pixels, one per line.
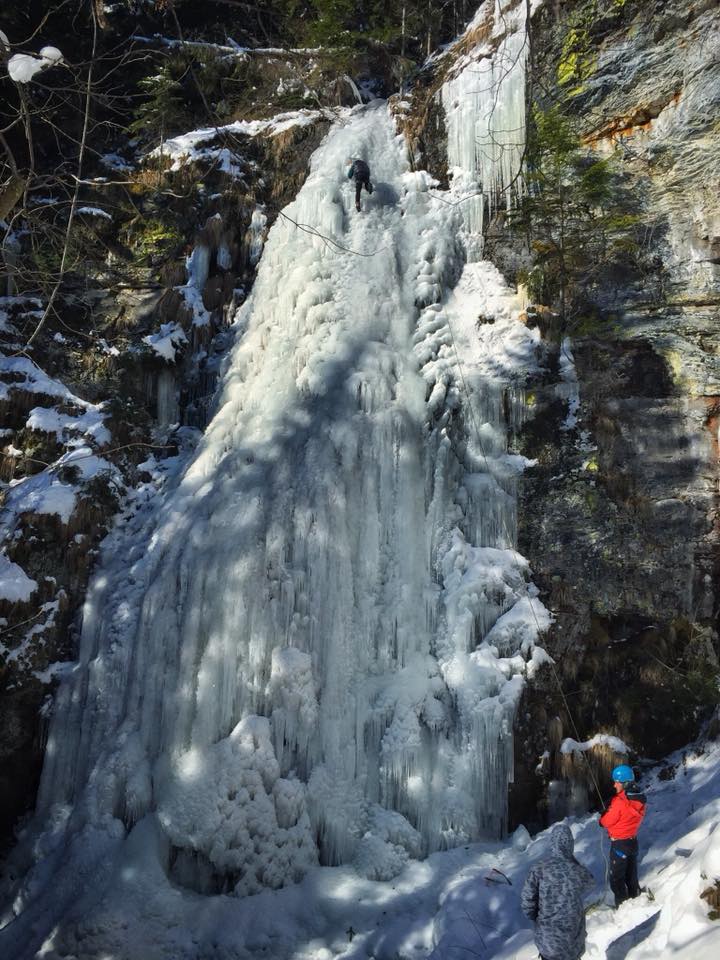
[{"x": 316, "y": 653}]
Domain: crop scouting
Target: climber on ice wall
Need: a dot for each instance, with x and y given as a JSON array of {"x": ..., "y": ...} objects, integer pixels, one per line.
[
  {"x": 622, "y": 820},
  {"x": 552, "y": 897},
  {"x": 360, "y": 172}
]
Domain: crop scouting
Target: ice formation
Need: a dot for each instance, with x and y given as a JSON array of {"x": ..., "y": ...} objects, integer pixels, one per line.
[
  {"x": 484, "y": 101},
  {"x": 318, "y": 654}
]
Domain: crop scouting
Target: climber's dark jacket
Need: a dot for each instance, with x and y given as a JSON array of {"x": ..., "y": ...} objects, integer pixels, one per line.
[
  {"x": 553, "y": 898},
  {"x": 359, "y": 170}
]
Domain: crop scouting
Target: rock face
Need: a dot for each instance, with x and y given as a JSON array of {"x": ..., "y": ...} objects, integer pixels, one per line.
[{"x": 620, "y": 518}]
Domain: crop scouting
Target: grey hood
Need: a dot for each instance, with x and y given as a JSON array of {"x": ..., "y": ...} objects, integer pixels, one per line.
[{"x": 561, "y": 842}]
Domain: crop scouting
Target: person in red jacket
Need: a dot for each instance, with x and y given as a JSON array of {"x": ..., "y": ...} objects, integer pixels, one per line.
[{"x": 621, "y": 820}]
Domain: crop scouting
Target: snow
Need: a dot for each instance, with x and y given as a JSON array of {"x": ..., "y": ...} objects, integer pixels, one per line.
[
  {"x": 51, "y": 54},
  {"x": 599, "y": 740},
  {"x": 455, "y": 904},
  {"x": 15, "y": 585},
  {"x": 45, "y": 493},
  {"x": 195, "y": 145},
  {"x": 86, "y": 463},
  {"x": 53, "y": 671},
  {"x": 94, "y": 212},
  {"x": 33, "y": 378},
  {"x": 42, "y": 494},
  {"x": 23, "y": 652},
  {"x": 22, "y": 67},
  {"x": 114, "y": 161},
  {"x": 89, "y": 424},
  {"x": 167, "y": 341}
]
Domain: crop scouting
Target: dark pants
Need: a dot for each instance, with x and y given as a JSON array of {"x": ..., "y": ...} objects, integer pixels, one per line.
[
  {"x": 623, "y": 869},
  {"x": 359, "y": 184}
]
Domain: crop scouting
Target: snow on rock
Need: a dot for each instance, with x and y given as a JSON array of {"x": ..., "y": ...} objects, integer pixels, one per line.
[
  {"x": 599, "y": 740},
  {"x": 196, "y": 144},
  {"x": 89, "y": 424},
  {"x": 42, "y": 493},
  {"x": 87, "y": 464},
  {"x": 33, "y": 379},
  {"x": 24, "y": 652},
  {"x": 15, "y": 585},
  {"x": 167, "y": 341},
  {"x": 27, "y": 377},
  {"x": 45, "y": 493}
]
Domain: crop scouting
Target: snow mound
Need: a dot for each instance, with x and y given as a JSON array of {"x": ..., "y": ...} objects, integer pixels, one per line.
[
  {"x": 22, "y": 67},
  {"x": 15, "y": 585},
  {"x": 228, "y": 804}
]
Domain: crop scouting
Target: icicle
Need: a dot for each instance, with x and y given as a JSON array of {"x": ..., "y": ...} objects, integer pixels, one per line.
[{"x": 485, "y": 117}]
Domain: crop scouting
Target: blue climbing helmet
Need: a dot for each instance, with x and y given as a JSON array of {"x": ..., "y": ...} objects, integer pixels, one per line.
[{"x": 622, "y": 774}]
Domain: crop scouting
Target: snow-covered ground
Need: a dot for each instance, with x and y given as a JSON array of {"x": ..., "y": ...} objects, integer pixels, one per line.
[{"x": 457, "y": 904}]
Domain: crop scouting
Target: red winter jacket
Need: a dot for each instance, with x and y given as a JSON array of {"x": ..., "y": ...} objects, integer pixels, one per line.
[{"x": 624, "y": 815}]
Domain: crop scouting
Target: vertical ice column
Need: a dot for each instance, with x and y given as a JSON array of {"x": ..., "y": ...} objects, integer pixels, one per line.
[{"x": 484, "y": 102}]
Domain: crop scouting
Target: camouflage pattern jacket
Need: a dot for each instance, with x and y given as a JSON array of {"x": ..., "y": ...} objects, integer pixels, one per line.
[{"x": 553, "y": 898}]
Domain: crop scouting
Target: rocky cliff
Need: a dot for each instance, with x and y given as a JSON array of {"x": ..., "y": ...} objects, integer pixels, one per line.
[{"x": 619, "y": 519}]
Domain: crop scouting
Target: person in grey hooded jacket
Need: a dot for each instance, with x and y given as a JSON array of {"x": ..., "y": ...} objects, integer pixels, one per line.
[{"x": 552, "y": 898}]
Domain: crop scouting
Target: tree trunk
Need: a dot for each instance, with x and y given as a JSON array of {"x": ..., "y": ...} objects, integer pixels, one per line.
[{"x": 10, "y": 194}]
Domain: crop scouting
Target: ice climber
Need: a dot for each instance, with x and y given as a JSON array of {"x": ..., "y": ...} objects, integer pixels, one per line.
[
  {"x": 622, "y": 820},
  {"x": 360, "y": 172},
  {"x": 552, "y": 897}
]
